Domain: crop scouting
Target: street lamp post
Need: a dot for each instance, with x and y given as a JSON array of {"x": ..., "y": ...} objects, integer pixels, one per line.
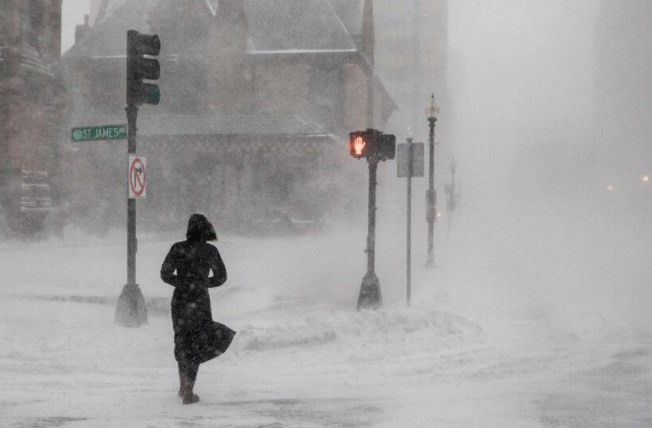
[
  {"x": 431, "y": 196},
  {"x": 451, "y": 201}
]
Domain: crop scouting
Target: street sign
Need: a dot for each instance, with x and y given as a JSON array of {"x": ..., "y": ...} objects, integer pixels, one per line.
[
  {"x": 402, "y": 166},
  {"x": 137, "y": 177},
  {"x": 97, "y": 133}
]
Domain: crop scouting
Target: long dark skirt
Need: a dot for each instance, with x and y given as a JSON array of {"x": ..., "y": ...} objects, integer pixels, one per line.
[
  {"x": 202, "y": 344},
  {"x": 197, "y": 338}
]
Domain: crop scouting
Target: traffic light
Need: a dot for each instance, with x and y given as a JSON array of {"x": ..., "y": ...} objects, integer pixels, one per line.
[
  {"x": 359, "y": 144},
  {"x": 139, "y": 68}
]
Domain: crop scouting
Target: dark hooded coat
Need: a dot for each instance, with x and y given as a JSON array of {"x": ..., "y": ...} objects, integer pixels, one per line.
[{"x": 197, "y": 338}]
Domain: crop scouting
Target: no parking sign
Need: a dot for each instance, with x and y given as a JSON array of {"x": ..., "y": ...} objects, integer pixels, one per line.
[{"x": 137, "y": 177}]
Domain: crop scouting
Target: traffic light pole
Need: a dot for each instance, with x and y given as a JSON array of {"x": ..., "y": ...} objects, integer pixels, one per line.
[
  {"x": 430, "y": 262},
  {"x": 131, "y": 310},
  {"x": 132, "y": 114},
  {"x": 371, "y": 229},
  {"x": 370, "y": 296},
  {"x": 409, "y": 223},
  {"x": 451, "y": 197}
]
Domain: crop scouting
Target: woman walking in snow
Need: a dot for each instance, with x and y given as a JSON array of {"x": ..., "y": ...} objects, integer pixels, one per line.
[{"x": 197, "y": 338}]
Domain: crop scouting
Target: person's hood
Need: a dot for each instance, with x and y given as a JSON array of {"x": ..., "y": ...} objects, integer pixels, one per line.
[{"x": 200, "y": 229}]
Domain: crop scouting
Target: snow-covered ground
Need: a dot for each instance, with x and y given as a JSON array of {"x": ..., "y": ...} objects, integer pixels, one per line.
[{"x": 303, "y": 356}]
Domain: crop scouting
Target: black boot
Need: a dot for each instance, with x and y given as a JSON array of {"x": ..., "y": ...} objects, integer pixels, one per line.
[{"x": 188, "y": 396}]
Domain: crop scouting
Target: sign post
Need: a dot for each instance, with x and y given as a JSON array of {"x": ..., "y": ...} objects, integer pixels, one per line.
[
  {"x": 131, "y": 310},
  {"x": 409, "y": 164}
]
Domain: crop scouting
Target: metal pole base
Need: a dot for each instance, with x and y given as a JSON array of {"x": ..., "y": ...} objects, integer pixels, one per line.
[
  {"x": 370, "y": 295},
  {"x": 131, "y": 310}
]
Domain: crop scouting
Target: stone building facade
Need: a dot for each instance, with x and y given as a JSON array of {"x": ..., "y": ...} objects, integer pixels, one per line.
[
  {"x": 257, "y": 101},
  {"x": 31, "y": 101}
]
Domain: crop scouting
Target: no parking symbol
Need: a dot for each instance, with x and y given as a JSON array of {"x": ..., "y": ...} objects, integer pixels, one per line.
[{"x": 137, "y": 177}]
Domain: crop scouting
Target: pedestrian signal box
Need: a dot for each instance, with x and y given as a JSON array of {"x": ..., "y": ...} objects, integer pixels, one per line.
[
  {"x": 372, "y": 144},
  {"x": 358, "y": 144},
  {"x": 386, "y": 146}
]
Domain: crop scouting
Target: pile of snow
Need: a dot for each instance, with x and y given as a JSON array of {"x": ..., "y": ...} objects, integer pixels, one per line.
[{"x": 379, "y": 332}]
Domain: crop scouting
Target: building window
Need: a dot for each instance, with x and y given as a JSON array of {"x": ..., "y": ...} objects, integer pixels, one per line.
[
  {"x": 325, "y": 88},
  {"x": 34, "y": 22}
]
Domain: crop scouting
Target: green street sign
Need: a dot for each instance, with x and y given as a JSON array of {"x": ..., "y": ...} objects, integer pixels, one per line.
[{"x": 96, "y": 133}]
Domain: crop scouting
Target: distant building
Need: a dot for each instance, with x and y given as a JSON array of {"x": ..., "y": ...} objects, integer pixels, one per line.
[
  {"x": 258, "y": 97},
  {"x": 412, "y": 58},
  {"x": 623, "y": 85},
  {"x": 31, "y": 106}
]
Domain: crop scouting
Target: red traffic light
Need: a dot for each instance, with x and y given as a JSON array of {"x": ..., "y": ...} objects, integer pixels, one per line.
[{"x": 358, "y": 144}]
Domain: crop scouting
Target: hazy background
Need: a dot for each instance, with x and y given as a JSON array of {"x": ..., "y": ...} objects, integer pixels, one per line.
[
  {"x": 533, "y": 130},
  {"x": 538, "y": 231}
]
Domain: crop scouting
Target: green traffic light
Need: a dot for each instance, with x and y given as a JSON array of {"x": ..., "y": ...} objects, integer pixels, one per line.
[{"x": 152, "y": 94}]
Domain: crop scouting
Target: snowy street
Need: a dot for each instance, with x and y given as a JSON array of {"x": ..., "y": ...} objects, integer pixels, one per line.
[
  {"x": 475, "y": 176},
  {"x": 303, "y": 357}
]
